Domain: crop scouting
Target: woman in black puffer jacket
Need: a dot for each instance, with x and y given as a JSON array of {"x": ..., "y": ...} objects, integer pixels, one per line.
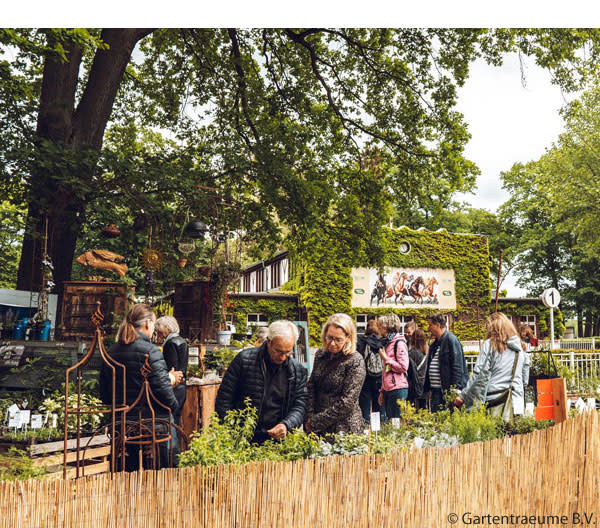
[{"x": 132, "y": 346}]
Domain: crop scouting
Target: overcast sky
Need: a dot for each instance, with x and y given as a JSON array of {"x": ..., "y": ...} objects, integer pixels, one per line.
[{"x": 508, "y": 123}]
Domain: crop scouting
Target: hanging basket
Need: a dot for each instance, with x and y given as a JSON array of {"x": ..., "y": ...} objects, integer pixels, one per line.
[
  {"x": 186, "y": 247},
  {"x": 182, "y": 262}
]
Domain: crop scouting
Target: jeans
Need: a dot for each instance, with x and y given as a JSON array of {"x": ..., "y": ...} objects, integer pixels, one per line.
[
  {"x": 368, "y": 398},
  {"x": 390, "y": 401},
  {"x": 437, "y": 400}
]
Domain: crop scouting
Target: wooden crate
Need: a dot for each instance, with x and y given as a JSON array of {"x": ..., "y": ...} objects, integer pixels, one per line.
[
  {"x": 50, "y": 455},
  {"x": 79, "y": 303}
]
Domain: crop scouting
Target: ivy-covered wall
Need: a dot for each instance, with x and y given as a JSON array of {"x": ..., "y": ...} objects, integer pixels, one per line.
[
  {"x": 325, "y": 285},
  {"x": 273, "y": 308},
  {"x": 542, "y": 316},
  {"x": 322, "y": 279}
]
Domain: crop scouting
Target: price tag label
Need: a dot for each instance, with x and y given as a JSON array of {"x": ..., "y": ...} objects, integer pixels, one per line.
[
  {"x": 375, "y": 421},
  {"x": 24, "y": 415},
  {"x": 37, "y": 421},
  {"x": 14, "y": 420}
]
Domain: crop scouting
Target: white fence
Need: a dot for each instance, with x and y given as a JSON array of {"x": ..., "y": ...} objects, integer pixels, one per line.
[
  {"x": 585, "y": 367},
  {"x": 587, "y": 343}
]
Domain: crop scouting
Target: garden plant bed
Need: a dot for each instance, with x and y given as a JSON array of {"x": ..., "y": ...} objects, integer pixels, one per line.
[{"x": 94, "y": 455}]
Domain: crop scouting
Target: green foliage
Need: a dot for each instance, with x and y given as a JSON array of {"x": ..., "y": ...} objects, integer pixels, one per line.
[
  {"x": 56, "y": 404},
  {"x": 326, "y": 261},
  {"x": 270, "y": 117},
  {"x": 44, "y": 434},
  {"x": 219, "y": 358},
  {"x": 12, "y": 222},
  {"x": 229, "y": 442},
  {"x": 474, "y": 426},
  {"x": 17, "y": 465},
  {"x": 273, "y": 309}
]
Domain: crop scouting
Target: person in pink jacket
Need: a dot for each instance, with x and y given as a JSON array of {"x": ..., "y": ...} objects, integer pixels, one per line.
[{"x": 394, "y": 385}]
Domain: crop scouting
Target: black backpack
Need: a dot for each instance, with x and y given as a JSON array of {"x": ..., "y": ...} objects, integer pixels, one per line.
[
  {"x": 415, "y": 382},
  {"x": 373, "y": 362}
]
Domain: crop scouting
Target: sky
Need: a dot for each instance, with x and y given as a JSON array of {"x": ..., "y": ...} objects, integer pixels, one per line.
[{"x": 509, "y": 123}]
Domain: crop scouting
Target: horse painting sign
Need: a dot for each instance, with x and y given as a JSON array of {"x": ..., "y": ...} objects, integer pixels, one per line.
[{"x": 404, "y": 288}]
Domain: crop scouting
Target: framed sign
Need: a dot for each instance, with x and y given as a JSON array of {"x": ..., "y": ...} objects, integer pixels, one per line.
[
  {"x": 404, "y": 288},
  {"x": 11, "y": 355}
]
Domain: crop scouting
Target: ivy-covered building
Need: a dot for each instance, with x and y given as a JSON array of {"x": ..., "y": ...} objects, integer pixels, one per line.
[{"x": 423, "y": 272}]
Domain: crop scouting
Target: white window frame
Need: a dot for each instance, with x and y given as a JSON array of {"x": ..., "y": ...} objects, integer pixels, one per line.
[
  {"x": 258, "y": 321},
  {"x": 361, "y": 326},
  {"x": 529, "y": 319}
]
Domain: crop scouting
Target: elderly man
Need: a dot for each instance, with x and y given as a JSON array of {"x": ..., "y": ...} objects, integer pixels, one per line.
[{"x": 274, "y": 382}]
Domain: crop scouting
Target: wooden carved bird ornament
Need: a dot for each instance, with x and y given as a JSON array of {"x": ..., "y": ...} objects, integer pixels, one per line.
[{"x": 104, "y": 260}]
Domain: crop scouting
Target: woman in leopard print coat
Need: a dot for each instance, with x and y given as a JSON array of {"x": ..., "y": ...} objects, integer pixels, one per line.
[{"x": 336, "y": 381}]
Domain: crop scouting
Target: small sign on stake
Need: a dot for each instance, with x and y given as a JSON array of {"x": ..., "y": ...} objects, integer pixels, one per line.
[{"x": 375, "y": 421}]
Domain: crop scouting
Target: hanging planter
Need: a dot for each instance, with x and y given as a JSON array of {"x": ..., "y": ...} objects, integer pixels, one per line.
[{"x": 182, "y": 262}]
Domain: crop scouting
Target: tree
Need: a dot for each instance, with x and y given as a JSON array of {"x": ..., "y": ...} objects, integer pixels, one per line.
[{"x": 269, "y": 117}]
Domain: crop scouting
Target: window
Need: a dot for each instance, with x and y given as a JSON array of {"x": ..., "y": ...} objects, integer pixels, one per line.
[
  {"x": 260, "y": 280},
  {"x": 404, "y": 319},
  {"x": 246, "y": 283},
  {"x": 361, "y": 323},
  {"x": 256, "y": 319},
  {"x": 529, "y": 320},
  {"x": 275, "y": 275}
]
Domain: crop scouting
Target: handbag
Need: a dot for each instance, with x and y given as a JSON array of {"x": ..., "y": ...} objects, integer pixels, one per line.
[{"x": 502, "y": 404}]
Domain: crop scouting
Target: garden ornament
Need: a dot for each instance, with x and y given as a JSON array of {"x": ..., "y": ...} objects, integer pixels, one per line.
[{"x": 104, "y": 260}]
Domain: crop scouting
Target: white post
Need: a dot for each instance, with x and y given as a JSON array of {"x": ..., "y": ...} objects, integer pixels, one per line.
[{"x": 552, "y": 328}]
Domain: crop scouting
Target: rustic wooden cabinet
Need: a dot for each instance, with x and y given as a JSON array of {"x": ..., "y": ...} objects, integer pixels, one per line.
[
  {"x": 79, "y": 303},
  {"x": 193, "y": 310}
]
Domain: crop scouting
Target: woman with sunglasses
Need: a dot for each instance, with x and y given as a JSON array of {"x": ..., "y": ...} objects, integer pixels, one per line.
[{"x": 336, "y": 381}]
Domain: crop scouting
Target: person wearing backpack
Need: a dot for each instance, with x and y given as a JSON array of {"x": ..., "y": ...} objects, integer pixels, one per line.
[
  {"x": 394, "y": 381},
  {"x": 418, "y": 355},
  {"x": 368, "y": 346}
]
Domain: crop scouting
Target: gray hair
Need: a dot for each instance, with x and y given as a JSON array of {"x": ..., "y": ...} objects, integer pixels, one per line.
[
  {"x": 262, "y": 333},
  {"x": 283, "y": 328},
  {"x": 390, "y": 322},
  {"x": 168, "y": 323}
]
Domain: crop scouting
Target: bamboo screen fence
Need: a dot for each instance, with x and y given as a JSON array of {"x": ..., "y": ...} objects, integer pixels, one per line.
[{"x": 547, "y": 473}]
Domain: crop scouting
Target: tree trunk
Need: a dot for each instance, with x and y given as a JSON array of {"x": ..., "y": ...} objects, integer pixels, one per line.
[{"x": 69, "y": 142}]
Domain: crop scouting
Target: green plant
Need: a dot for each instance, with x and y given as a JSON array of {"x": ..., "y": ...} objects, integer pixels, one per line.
[
  {"x": 226, "y": 442},
  {"x": 55, "y": 404},
  {"x": 17, "y": 465},
  {"x": 474, "y": 426}
]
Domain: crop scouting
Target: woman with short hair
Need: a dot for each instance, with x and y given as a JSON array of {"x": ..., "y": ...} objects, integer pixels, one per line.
[
  {"x": 175, "y": 351},
  {"x": 336, "y": 380},
  {"x": 394, "y": 381}
]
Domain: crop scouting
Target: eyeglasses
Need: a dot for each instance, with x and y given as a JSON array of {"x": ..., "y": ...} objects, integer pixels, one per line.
[{"x": 336, "y": 340}]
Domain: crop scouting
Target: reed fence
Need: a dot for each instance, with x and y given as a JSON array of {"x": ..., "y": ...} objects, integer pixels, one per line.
[{"x": 550, "y": 473}]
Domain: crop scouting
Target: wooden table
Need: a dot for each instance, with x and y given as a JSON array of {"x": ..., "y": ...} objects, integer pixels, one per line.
[{"x": 199, "y": 404}]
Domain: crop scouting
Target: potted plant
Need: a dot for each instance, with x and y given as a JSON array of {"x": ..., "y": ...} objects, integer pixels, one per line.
[{"x": 222, "y": 277}]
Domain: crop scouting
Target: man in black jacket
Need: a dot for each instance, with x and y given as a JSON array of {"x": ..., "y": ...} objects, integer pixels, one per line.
[
  {"x": 446, "y": 364},
  {"x": 274, "y": 382}
]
